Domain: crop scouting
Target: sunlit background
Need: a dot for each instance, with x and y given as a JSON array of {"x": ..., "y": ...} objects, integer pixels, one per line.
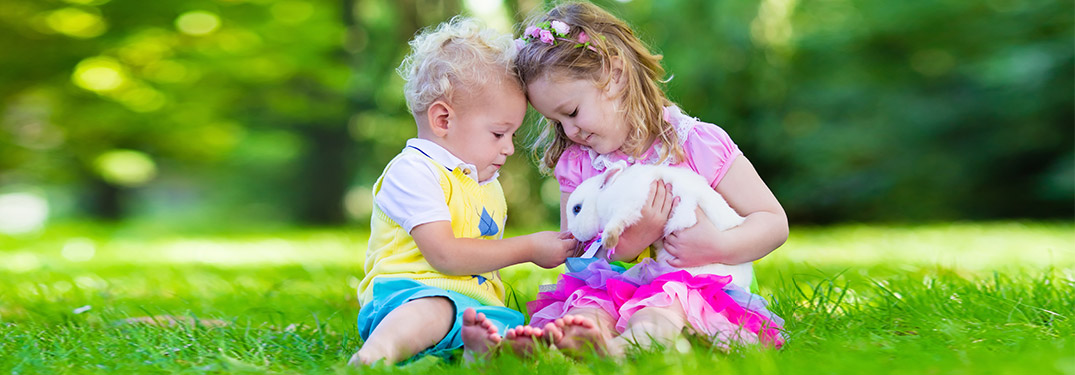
[
  {"x": 203, "y": 115},
  {"x": 210, "y": 162}
]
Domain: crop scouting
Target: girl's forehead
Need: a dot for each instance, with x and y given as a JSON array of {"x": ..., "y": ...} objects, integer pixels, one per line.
[
  {"x": 571, "y": 82},
  {"x": 567, "y": 85}
]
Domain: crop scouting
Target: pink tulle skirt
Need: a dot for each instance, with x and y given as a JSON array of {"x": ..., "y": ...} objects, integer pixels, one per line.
[
  {"x": 583, "y": 287},
  {"x": 714, "y": 307}
]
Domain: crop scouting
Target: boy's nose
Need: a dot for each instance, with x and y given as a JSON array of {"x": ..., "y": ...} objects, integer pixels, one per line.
[{"x": 510, "y": 149}]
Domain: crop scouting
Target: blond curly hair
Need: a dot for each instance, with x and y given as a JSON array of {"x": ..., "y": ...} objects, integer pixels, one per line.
[{"x": 457, "y": 55}]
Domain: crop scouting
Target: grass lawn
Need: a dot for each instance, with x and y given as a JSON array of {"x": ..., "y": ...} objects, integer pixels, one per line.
[{"x": 962, "y": 298}]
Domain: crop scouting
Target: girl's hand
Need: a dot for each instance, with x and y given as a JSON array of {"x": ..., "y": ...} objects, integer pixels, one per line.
[
  {"x": 650, "y": 227},
  {"x": 765, "y": 227},
  {"x": 698, "y": 245},
  {"x": 551, "y": 249}
]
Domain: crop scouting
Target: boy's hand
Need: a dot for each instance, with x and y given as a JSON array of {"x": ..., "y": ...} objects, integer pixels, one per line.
[
  {"x": 650, "y": 227},
  {"x": 551, "y": 249}
]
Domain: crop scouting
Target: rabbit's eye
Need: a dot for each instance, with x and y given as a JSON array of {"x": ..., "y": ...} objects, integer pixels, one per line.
[{"x": 576, "y": 209}]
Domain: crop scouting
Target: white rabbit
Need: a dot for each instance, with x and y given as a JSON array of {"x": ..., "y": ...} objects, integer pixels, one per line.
[{"x": 611, "y": 201}]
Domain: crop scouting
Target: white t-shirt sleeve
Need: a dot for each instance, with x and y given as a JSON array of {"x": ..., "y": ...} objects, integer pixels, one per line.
[{"x": 411, "y": 194}]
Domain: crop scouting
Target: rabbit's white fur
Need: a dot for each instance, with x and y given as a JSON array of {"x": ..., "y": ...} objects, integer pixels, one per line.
[{"x": 611, "y": 201}]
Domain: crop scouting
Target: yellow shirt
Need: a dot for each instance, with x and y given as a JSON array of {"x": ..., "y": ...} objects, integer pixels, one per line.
[{"x": 477, "y": 211}]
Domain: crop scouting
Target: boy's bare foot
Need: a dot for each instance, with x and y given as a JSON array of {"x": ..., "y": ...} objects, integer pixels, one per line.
[
  {"x": 356, "y": 360},
  {"x": 575, "y": 335},
  {"x": 367, "y": 356},
  {"x": 359, "y": 359},
  {"x": 479, "y": 334},
  {"x": 523, "y": 339}
]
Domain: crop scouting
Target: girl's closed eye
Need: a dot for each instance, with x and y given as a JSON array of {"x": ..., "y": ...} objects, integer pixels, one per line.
[{"x": 574, "y": 113}]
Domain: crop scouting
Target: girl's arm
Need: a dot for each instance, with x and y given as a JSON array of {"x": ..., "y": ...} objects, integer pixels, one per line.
[
  {"x": 470, "y": 256},
  {"x": 765, "y": 228},
  {"x": 649, "y": 227}
]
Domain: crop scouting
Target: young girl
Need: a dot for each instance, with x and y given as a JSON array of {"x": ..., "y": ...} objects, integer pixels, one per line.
[{"x": 598, "y": 88}]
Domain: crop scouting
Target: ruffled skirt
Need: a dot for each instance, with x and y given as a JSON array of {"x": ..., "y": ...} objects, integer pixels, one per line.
[{"x": 714, "y": 306}]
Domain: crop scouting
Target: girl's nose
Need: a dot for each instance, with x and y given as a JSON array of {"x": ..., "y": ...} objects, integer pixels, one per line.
[{"x": 570, "y": 129}]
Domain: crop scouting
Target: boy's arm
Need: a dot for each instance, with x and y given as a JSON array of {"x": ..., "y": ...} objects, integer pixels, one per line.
[{"x": 470, "y": 256}]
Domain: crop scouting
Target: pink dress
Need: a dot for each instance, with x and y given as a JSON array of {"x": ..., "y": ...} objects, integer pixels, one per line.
[{"x": 714, "y": 306}]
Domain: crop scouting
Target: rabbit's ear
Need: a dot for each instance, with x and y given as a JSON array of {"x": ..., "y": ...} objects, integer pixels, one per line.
[{"x": 610, "y": 175}]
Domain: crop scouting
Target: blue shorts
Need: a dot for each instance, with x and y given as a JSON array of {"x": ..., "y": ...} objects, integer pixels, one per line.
[{"x": 390, "y": 293}]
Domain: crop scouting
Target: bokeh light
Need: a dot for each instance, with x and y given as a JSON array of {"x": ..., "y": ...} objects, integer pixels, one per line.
[
  {"x": 79, "y": 249},
  {"x": 358, "y": 202},
  {"x": 99, "y": 74},
  {"x": 492, "y": 12},
  {"x": 22, "y": 212},
  {"x": 292, "y": 11},
  {"x": 197, "y": 23},
  {"x": 76, "y": 22},
  {"x": 125, "y": 167},
  {"x": 142, "y": 99}
]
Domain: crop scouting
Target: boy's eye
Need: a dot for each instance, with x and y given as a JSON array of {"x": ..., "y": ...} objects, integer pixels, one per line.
[
  {"x": 574, "y": 113},
  {"x": 576, "y": 209},
  {"x": 498, "y": 135}
]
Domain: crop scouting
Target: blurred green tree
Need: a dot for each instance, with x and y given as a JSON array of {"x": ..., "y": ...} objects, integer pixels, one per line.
[
  {"x": 876, "y": 110},
  {"x": 185, "y": 93},
  {"x": 278, "y": 110}
]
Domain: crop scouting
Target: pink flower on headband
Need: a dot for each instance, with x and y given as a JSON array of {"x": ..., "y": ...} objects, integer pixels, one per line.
[
  {"x": 549, "y": 32},
  {"x": 531, "y": 31},
  {"x": 560, "y": 27},
  {"x": 546, "y": 36}
]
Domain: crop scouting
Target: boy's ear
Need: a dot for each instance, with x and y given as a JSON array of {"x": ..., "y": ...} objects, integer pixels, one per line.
[{"x": 440, "y": 115}]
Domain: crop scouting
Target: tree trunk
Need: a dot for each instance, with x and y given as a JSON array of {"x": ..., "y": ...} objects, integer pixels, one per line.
[
  {"x": 326, "y": 168},
  {"x": 104, "y": 201}
]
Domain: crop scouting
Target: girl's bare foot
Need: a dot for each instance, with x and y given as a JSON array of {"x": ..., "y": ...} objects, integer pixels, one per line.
[
  {"x": 479, "y": 334},
  {"x": 576, "y": 334},
  {"x": 523, "y": 339}
]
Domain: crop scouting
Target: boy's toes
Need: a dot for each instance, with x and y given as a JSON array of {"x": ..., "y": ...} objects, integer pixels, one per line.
[{"x": 470, "y": 316}]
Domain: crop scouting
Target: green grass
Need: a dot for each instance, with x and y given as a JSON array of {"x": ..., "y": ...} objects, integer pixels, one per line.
[{"x": 964, "y": 298}]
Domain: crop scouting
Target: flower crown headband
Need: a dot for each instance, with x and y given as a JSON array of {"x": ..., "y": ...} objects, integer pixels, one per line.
[{"x": 549, "y": 32}]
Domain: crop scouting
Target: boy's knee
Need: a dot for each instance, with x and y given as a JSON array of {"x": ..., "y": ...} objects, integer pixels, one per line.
[
  {"x": 433, "y": 305},
  {"x": 407, "y": 330},
  {"x": 438, "y": 312}
]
